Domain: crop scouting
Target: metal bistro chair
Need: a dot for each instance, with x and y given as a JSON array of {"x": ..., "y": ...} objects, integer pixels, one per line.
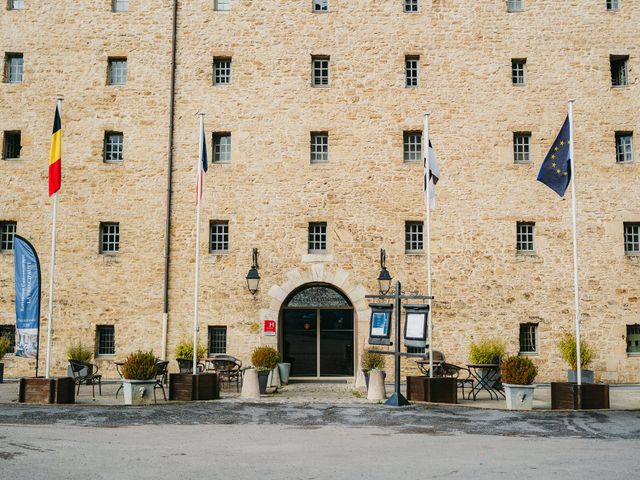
[
  {"x": 186, "y": 365},
  {"x": 162, "y": 368},
  {"x": 86, "y": 374}
]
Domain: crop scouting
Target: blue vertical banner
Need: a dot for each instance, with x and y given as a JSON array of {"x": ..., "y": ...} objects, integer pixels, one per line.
[{"x": 27, "y": 287}]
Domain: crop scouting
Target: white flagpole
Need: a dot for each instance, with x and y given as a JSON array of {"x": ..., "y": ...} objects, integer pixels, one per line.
[
  {"x": 575, "y": 244},
  {"x": 427, "y": 202},
  {"x": 52, "y": 267},
  {"x": 197, "y": 273}
]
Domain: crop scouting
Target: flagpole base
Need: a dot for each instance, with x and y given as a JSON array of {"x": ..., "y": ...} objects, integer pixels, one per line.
[{"x": 397, "y": 400}]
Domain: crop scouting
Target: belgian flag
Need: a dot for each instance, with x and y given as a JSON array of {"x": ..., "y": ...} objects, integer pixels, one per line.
[{"x": 55, "y": 155}]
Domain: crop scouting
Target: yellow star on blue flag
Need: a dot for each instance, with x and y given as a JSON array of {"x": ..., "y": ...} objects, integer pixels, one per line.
[{"x": 555, "y": 171}]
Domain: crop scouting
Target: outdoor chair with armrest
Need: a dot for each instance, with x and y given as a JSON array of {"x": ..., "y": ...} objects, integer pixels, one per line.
[
  {"x": 162, "y": 368},
  {"x": 186, "y": 365},
  {"x": 85, "y": 373}
]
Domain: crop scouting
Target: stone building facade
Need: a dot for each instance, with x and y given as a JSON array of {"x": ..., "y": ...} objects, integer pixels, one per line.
[{"x": 269, "y": 191}]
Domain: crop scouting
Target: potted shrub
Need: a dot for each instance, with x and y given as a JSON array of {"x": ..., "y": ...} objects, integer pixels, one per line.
[
  {"x": 4, "y": 346},
  {"x": 77, "y": 352},
  {"x": 567, "y": 347},
  {"x": 488, "y": 351},
  {"x": 139, "y": 377},
  {"x": 369, "y": 361},
  {"x": 264, "y": 359},
  {"x": 518, "y": 374}
]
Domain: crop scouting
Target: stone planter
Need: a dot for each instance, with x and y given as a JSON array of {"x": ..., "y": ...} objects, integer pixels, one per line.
[
  {"x": 366, "y": 377},
  {"x": 587, "y": 376},
  {"x": 187, "y": 387},
  {"x": 437, "y": 389},
  {"x": 263, "y": 379},
  {"x": 284, "y": 369},
  {"x": 138, "y": 392},
  {"x": 47, "y": 390},
  {"x": 588, "y": 396},
  {"x": 519, "y": 397}
]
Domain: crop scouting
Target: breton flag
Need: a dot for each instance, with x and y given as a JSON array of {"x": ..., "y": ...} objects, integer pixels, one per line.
[
  {"x": 433, "y": 174},
  {"x": 202, "y": 166},
  {"x": 555, "y": 171},
  {"x": 55, "y": 155}
]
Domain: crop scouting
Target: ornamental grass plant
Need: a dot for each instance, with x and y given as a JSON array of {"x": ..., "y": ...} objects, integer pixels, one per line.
[
  {"x": 567, "y": 347},
  {"x": 184, "y": 349},
  {"x": 77, "y": 352},
  {"x": 140, "y": 366},
  {"x": 518, "y": 370},
  {"x": 486, "y": 351},
  {"x": 265, "y": 358}
]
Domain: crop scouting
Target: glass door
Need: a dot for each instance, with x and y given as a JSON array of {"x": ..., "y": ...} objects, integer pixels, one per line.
[
  {"x": 336, "y": 342},
  {"x": 300, "y": 341}
]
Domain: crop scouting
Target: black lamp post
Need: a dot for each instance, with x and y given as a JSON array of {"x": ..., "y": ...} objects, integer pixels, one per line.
[
  {"x": 253, "y": 277},
  {"x": 384, "y": 279}
]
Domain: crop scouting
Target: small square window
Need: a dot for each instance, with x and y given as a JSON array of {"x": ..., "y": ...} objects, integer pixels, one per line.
[
  {"x": 528, "y": 338},
  {"x": 613, "y": 5},
  {"x": 413, "y": 237},
  {"x": 9, "y": 332},
  {"x": 318, "y": 237},
  {"x": 633, "y": 338},
  {"x": 16, "y": 4},
  {"x": 105, "y": 340},
  {"x": 117, "y": 71},
  {"x": 524, "y": 237},
  {"x": 222, "y": 5},
  {"x": 410, "y": 6},
  {"x": 13, "y": 67},
  {"x": 631, "y": 238},
  {"x": 217, "y": 340},
  {"x": 624, "y": 147},
  {"x": 411, "y": 70},
  {"x": 120, "y": 5},
  {"x": 522, "y": 147},
  {"x": 619, "y": 74},
  {"x": 221, "y": 147},
  {"x": 319, "y": 147},
  {"x": 320, "y": 5},
  {"x": 113, "y": 147},
  {"x": 320, "y": 71},
  {"x": 7, "y": 233},
  {"x": 109, "y": 237},
  {"x": 517, "y": 71},
  {"x": 218, "y": 236},
  {"x": 515, "y": 5},
  {"x": 221, "y": 71},
  {"x": 412, "y": 146},
  {"x": 12, "y": 145}
]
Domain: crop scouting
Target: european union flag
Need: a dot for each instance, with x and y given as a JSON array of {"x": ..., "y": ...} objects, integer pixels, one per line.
[{"x": 555, "y": 171}]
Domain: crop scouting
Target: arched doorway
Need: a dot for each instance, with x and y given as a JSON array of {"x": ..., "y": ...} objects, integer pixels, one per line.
[{"x": 317, "y": 335}]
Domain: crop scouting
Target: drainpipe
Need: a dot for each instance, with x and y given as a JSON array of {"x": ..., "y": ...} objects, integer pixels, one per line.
[{"x": 167, "y": 230}]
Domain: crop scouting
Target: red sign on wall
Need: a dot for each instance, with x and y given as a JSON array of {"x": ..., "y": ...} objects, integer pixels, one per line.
[{"x": 269, "y": 327}]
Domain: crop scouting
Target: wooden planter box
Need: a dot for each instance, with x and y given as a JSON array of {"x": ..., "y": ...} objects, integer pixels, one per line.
[
  {"x": 567, "y": 396},
  {"x": 47, "y": 390},
  {"x": 187, "y": 387},
  {"x": 438, "y": 389}
]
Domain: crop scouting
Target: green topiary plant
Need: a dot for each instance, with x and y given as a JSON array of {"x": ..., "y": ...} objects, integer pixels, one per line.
[
  {"x": 486, "y": 351},
  {"x": 371, "y": 360},
  {"x": 518, "y": 370},
  {"x": 265, "y": 358},
  {"x": 4, "y": 346},
  {"x": 567, "y": 347},
  {"x": 140, "y": 366},
  {"x": 184, "y": 349},
  {"x": 79, "y": 353}
]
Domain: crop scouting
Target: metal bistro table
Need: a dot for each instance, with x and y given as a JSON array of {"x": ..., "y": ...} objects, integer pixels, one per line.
[{"x": 486, "y": 376}]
